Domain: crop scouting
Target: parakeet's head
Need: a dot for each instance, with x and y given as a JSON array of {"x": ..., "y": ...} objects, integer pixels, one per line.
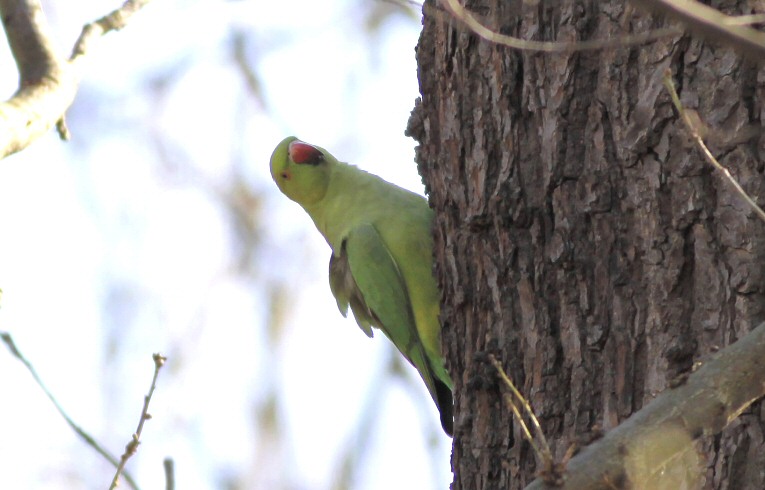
[{"x": 301, "y": 171}]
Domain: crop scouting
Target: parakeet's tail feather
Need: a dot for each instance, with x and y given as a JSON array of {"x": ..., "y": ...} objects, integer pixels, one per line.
[{"x": 445, "y": 406}]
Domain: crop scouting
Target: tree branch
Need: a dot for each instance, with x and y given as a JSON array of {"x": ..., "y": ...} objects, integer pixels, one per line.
[
  {"x": 655, "y": 447},
  {"x": 89, "y": 440},
  {"x": 47, "y": 81},
  {"x": 132, "y": 447},
  {"x": 712, "y": 24},
  {"x": 113, "y": 21},
  {"x": 459, "y": 12},
  {"x": 46, "y": 86}
]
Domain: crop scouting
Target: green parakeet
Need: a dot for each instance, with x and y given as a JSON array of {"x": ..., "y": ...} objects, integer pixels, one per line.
[{"x": 381, "y": 262}]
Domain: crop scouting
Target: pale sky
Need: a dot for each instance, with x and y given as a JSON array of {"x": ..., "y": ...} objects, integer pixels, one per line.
[{"x": 118, "y": 244}]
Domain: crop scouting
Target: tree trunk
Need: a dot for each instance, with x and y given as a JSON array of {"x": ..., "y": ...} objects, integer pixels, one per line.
[{"x": 580, "y": 237}]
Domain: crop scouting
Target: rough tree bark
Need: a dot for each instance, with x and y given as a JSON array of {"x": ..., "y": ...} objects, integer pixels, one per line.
[{"x": 580, "y": 237}]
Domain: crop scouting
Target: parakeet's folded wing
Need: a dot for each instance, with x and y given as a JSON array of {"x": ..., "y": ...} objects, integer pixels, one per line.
[
  {"x": 345, "y": 291},
  {"x": 378, "y": 296},
  {"x": 366, "y": 276}
]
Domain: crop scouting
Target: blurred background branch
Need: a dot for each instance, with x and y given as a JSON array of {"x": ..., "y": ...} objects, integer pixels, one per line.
[{"x": 47, "y": 82}]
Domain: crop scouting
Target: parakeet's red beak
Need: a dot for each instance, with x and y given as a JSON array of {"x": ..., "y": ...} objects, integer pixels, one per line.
[{"x": 300, "y": 152}]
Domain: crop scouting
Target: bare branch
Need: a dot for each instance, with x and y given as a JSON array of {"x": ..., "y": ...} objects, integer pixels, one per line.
[
  {"x": 468, "y": 19},
  {"x": 656, "y": 445},
  {"x": 169, "y": 466},
  {"x": 113, "y": 21},
  {"x": 29, "y": 39},
  {"x": 700, "y": 18},
  {"x": 47, "y": 81},
  {"x": 46, "y": 86},
  {"x": 89, "y": 440},
  {"x": 712, "y": 24},
  {"x": 544, "y": 453},
  {"x": 685, "y": 116},
  {"x": 135, "y": 440}
]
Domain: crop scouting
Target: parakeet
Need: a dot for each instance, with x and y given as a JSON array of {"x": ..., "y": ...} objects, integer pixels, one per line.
[{"x": 381, "y": 262}]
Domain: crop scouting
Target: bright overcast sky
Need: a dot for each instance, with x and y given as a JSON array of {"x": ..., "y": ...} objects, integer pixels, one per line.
[{"x": 116, "y": 245}]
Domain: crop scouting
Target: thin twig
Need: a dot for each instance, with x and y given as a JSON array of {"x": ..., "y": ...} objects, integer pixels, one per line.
[
  {"x": 545, "y": 453},
  {"x": 712, "y": 24},
  {"x": 80, "y": 432},
  {"x": 135, "y": 440},
  {"x": 468, "y": 19},
  {"x": 700, "y": 142},
  {"x": 725, "y": 23},
  {"x": 113, "y": 21},
  {"x": 169, "y": 466}
]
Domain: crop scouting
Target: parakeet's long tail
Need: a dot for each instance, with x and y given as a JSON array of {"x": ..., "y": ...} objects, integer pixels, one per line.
[{"x": 445, "y": 403}]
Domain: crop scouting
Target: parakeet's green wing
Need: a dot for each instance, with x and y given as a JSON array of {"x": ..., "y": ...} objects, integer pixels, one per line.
[
  {"x": 345, "y": 291},
  {"x": 383, "y": 296}
]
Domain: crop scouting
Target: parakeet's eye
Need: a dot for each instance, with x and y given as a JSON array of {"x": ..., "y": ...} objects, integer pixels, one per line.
[{"x": 304, "y": 153}]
